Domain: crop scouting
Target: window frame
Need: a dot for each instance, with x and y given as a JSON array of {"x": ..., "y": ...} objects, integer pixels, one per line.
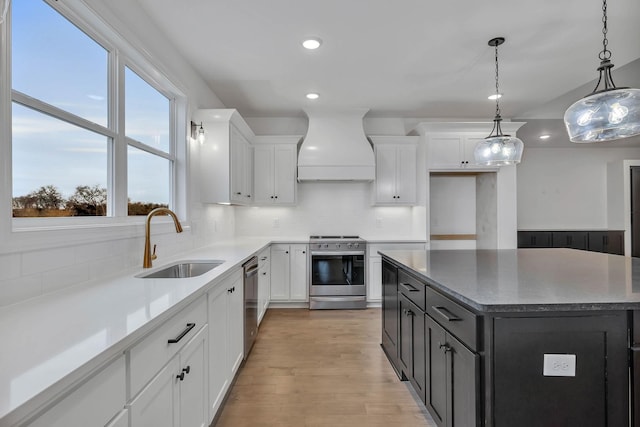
[{"x": 17, "y": 233}]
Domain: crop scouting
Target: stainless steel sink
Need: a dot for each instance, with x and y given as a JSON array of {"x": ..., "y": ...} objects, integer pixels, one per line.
[{"x": 183, "y": 269}]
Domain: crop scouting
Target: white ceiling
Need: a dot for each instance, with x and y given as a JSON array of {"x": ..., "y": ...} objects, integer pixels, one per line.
[{"x": 402, "y": 58}]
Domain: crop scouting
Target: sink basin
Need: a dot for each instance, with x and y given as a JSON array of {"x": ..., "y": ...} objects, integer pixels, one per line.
[{"x": 183, "y": 269}]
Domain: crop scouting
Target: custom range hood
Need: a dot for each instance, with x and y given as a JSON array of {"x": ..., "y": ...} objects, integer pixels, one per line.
[{"x": 336, "y": 148}]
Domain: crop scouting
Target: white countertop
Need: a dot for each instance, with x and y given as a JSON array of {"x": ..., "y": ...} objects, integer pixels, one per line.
[{"x": 51, "y": 342}]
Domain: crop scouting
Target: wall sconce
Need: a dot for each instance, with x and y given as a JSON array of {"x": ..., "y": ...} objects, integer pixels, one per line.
[{"x": 197, "y": 134}]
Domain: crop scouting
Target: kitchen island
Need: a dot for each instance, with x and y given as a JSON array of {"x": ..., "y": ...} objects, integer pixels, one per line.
[{"x": 526, "y": 337}]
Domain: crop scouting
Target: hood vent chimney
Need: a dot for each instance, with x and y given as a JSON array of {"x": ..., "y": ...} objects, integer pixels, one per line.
[{"x": 336, "y": 148}]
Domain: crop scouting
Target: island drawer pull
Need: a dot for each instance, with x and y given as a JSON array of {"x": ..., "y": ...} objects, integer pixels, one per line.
[
  {"x": 189, "y": 327},
  {"x": 444, "y": 312},
  {"x": 410, "y": 287}
]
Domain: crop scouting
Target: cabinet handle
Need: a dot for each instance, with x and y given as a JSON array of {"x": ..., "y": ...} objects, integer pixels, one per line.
[
  {"x": 445, "y": 313},
  {"x": 276, "y": 197},
  {"x": 187, "y": 369},
  {"x": 445, "y": 347},
  {"x": 410, "y": 287},
  {"x": 410, "y": 313},
  {"x": 264, "y": 273},
  {"x": 272, "y": 197},
  {"x": 189, "y": 327},
  {"x": 180, "y": 376},
  {"x": 304, "y": 252},
  {"x": 248, "y": 195},
  {"x": 286, "y": 252},
  {"x": 264, "y": 258},
  {"x": 238, "y": 193}
]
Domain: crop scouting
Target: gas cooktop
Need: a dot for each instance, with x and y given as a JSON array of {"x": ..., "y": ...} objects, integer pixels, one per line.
[{"x": 334, "y": 237}]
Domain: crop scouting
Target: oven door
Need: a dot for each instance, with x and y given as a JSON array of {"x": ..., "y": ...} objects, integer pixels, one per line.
[{"x": 337, "y": 273}]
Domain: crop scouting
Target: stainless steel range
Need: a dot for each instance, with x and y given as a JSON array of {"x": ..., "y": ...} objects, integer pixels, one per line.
[{"x": 337, "y": 277}]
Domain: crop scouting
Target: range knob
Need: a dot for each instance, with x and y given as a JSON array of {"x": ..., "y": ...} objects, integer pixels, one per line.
[
  {"x": 326, "y": 245},
  {"x": 338, "y": 245},
  {"x": 349, "y": 245},
  {"x": 355, "y": 245}
]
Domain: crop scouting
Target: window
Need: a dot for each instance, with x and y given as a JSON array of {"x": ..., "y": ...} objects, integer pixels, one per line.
[{"x": 69, "y": 155}]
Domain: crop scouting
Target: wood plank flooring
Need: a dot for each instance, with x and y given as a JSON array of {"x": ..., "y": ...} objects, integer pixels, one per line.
[{"x": 319, "y": 368}]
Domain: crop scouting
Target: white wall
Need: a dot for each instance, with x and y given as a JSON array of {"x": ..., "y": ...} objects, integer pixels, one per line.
[
  {"x": 42, "y": 265},
  {"x": 566, "y": 188}
]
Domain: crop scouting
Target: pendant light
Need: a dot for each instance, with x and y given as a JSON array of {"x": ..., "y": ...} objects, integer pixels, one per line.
[
  {"x": 498, "y": 149},
  {"x": 606, "y": 114}
]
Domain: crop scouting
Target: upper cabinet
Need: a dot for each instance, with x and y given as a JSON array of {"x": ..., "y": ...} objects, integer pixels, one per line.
[
  {"x": 396, "y": 167},
  {"x": 275, "y": 169},
  {"x": 226, "y": 157},
  {"x": 450, "y": 145}
]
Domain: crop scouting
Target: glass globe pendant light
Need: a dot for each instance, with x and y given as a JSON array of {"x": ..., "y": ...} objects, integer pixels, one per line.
[
  {"x": 606, "y": 114},
  {"x": 498, "y": 149}
]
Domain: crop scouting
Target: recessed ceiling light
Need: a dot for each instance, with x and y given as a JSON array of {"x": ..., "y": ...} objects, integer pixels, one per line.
[
  {"x": 495, "y": 96},
  {"x": 545, "y": 136},
  {"x": 313, "y": 96},
  {"x": 312, "y": 43}
]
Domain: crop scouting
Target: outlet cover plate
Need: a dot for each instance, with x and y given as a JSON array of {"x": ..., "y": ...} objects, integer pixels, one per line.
[{"x": 559, "y": 365}]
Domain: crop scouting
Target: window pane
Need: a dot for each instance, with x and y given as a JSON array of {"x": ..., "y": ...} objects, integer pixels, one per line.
[
  {"x": 58, "y": 169},
  {"x": 54, "y": 61},
  {"x": 147, "y": 113},
  {"x": 149, "y": 181}
]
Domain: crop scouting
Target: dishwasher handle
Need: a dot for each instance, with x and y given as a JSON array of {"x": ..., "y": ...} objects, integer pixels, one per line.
[{"x": 251, "y": 271}]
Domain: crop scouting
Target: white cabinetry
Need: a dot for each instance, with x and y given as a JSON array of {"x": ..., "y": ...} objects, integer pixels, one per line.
[
  {"x": 226, "y": 170},
  {"x": 396, "y": 163},
  {"x": 275, "y": 164},
  {"x": 226, "y": 336},
  {"x": 374, "y": 275},
  {"x": 93, "y": 404},
  {"x": 289, "y": 273},
  {"x": 264, "y": 282},
  {"x": 450, "y": 145},
  {"x": 176, "y": 396}
]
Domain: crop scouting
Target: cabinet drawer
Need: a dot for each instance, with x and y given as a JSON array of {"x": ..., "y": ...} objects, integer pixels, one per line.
[
  {"x": 412, "y": 288},
  {"x": 153, "y": 352},
  {"x": 92, "y": 404},
  {"x": 453, "y": 317}
]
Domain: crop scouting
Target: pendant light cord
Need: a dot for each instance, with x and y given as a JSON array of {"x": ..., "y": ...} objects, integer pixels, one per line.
[
  {"x": 606, "y": 53},
  {"x": 497, "y": 86}
]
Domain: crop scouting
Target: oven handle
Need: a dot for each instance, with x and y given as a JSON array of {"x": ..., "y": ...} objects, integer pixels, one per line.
[{"x": 338, "y": 253}]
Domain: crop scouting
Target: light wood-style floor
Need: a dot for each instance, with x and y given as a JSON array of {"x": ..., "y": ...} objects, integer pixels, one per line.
[{"x": 320, "y": 368}]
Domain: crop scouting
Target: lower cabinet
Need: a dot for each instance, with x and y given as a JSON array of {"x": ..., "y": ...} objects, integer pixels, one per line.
[
  {"x": 390, "y": 312},
  {"x": 264, "y": 282},
  {"x": 226, "y": 337},
  {"x": 374, "y": 263},
  {"x": 452, "y": 373},
  {"x": 607, "y": 241},
  {"x": 411, "y": 349},
  {"x": 176, "y": 396},
  {"x": 289, "y": 273}
]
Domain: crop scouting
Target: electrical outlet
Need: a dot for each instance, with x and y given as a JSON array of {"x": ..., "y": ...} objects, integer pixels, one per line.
[
  {"x": 559, "y": 365},
  {"x": 276, "y": 223},
  {"x": 379, "y": 222}
]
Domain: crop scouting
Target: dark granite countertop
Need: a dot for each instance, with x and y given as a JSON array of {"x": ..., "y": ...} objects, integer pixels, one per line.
[{"x": 526, "y": 280}]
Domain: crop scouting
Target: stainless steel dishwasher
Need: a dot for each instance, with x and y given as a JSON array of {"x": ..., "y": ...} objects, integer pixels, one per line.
[{"x": 250, "y": 303}]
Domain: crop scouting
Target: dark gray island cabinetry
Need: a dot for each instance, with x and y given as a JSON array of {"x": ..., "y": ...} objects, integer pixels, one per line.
[{"x": 526, "y": 337}]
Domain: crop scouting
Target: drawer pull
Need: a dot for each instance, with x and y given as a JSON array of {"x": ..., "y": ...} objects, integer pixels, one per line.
[
  {"x": 410, "y": 287},
  {"x": 189, "y": 327},
  {"x": 445, "y": 347},
  {"x": 445, "y": 313}
]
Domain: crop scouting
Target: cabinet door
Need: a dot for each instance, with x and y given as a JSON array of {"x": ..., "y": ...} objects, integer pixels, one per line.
[
  {"x": 469, "y": 147},
  {"x": 284, "y": 174},
  {"x": 390, "y": 313},
  {"x": 405, "y": 345},
  {"x": 406, "y": 174},
  {"x": 157, "y": 404},
  {"x": 193, "y": 388},
  {"x": 263, "y": 171},
  {"x": 235, "y": 313},
  {"x": 280, "y": 272},
  {"x": 298, "y": 274},
  {"x": 436, "y": 371},
  {"x": 374, "y": 282},
  {"x": 247, "y": 179},
  {"x": 219, "y": 370},
  {"x": 418, "y": 358},
  {"x": 386, "y": 173},
  {"x": 237, "y": 147},
  {"x": 445, "y": 152},
  {"x": 463, "y": 382}
]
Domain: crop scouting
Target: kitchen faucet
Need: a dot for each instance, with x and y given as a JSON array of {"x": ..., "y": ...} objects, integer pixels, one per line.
[{"x": 148, "y": 256}]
